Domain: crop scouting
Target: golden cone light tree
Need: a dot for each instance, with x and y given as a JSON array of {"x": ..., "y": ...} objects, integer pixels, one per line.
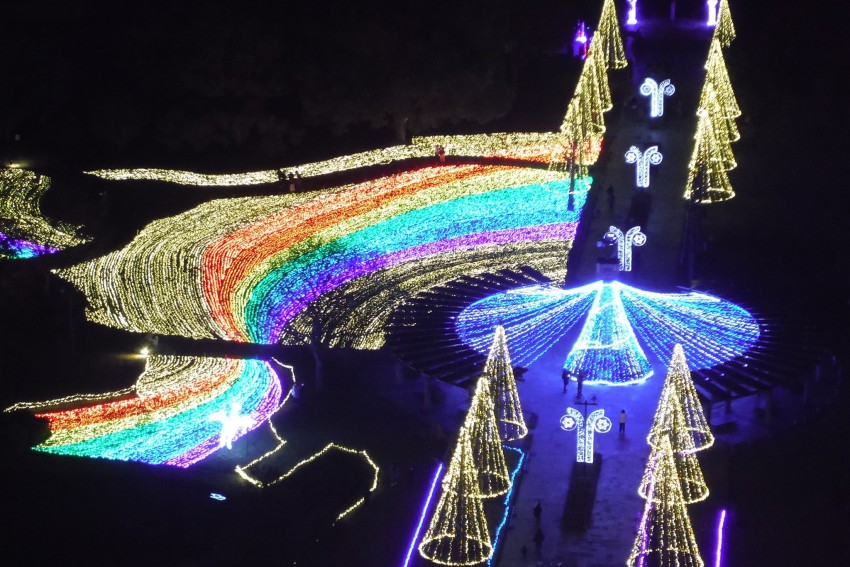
[
  {"x": 458, "y": 534},
  {"x": 609, "y": 31},
  {"x": 499, "y": 372},
  {"x": 693, "y": 487},
  {"x": 488, "y": 455},
  {"x": 708, "y": 181},
  {"x": 724, "y": 31},
  {"x": 718, "y": 75},
  {"x": 724, "y": 126},
  {"x": 679, "y": 389},
  {"x": 665, "y": 537}
]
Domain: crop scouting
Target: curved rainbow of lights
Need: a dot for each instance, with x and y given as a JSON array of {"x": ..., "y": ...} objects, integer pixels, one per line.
[
  {"x": 247, "y": 269},
  {"x": 618, "y": 320},
  {"x": 24, "y": 232},
  {"x": 170, "y": 417}
]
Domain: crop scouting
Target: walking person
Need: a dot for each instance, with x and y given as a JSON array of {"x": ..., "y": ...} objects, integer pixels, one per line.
[
  {"x": 538, "y": 541},
  {"x": 537, "y": 510},
  {"x": 565, "y": 377},
  {"x": 622, "y": 422}
]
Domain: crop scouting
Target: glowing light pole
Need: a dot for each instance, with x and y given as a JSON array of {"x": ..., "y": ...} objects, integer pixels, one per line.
[
  {"x": 643, "y": 159},
  {"x": 632, "y": 17},
  {"x": 632, "y": 237},
  {"x": 585, "y": 428},
  {"x": 712, "y": 12},
  {"x": 656, "y": 93}
]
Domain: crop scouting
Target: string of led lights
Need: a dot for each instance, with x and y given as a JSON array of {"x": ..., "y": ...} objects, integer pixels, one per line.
[
  {"x": 508, "y": 499},
  {"x": 607, "y": 349},
  {"x": 688, "y": 471},
  {"x": 665, "y": 535},
  {"x": 609, "y": 30},
  {"x": 528, "y": 146},
  {"x": 244, "y": 269},
  {"x": 710, "y": 329},
  {"x": 679, "y": 416},
  {"x": 534, "y": 317},
  {"x": 458, "y": 533},
  {"x": 493, "y": 475},
  {"x": 724, "y": 31},
  {"x": 168, "y": 419},
  {"x": 425, "y": 507},
  {"x": 500, "y": 373},
  {"x": 24, "y": 231}
]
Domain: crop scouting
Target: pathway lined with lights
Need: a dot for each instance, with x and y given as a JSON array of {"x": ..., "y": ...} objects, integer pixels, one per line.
[{"x": 617, "y": 508}]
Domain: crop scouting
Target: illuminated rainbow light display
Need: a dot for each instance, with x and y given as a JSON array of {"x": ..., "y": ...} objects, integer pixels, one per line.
[
  {"x": 24, "y": 232},
  {"x": 711, "y": 330},
  {"x": 169, "y": 417},
  {"x": 245, "y": 269}
]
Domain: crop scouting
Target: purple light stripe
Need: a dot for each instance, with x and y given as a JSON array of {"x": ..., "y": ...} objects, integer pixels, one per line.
[
  {"x": 718, "y": 553},
  {"x": 425, "y": 507},
  {"x": 267, "y": 406},
  {"x": 559, "y": 231}
]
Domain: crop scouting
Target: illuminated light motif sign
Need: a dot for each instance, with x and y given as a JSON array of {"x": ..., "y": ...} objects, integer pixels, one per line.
[
  {"x": 232, "y": 424},
  {"x": 217, "y": 496},
  {"x": 169, "y": 419},
  {"x": 24, "y": 231},
  {"x": 597, "y": 422},
  {"x": 631, "y": 18},
  {"x": 711, "y": 5},
  {"x": 642, "y": 161},
  {"x": 710, "y": 329},
  {"x": 246, "y": 269},
  {"x": 656, "y": 93},
  {"x": 633, "y": 237}
]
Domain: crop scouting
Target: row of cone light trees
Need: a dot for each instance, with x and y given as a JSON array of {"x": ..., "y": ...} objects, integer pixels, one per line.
[
  {"x": 673, "y": 478},
  {"x": 458, "y": 533},
  {"x": 712, "y": 158}
]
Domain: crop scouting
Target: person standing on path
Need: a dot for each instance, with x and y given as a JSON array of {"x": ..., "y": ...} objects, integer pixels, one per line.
[
  {"x": 538, "y": 540},
  {"x": 537, "y": 510},
  {"x": 622, "y": 422},
  {"x": 565, "y": 377}
]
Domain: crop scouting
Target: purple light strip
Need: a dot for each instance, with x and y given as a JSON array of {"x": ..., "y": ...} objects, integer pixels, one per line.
[
  {"x": 425, "y": 507},
  {"x": 718, "y": 553},
  {"x": 559, "y": 231}
]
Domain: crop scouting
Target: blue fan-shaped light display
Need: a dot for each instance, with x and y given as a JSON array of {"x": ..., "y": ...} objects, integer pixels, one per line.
[{"x": 619, "y": 322}]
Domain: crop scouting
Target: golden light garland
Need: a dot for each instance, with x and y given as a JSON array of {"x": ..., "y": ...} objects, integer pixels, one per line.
[
  {"x": 665, "y": 536},
  {"x": 493, "y": 476},
  {"x": 458, "y": 533},
  {"x": 24, "y": 231},
  {"x": 679, "y": 398},
  {"x": 499, "y": 372},
  {"x": 724, "y": 31}
]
